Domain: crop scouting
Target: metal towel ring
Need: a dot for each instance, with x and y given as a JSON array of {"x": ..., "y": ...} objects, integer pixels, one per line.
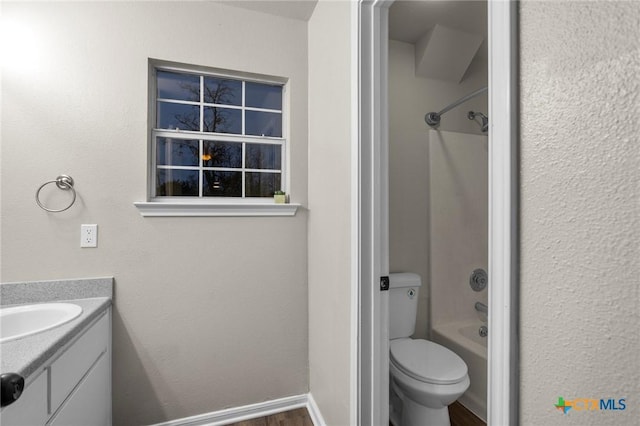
[{"x": 63, "y": 182}]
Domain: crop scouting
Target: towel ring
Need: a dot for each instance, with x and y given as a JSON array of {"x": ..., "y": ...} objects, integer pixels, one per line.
[{"x": 63, "y": 182}]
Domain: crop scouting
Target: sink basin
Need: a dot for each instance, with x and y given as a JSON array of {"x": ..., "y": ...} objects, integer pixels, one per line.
[{"x": 24, "y": 320}]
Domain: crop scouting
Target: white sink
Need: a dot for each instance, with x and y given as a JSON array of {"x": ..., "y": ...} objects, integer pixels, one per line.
[{"x": 24, "y": 320}]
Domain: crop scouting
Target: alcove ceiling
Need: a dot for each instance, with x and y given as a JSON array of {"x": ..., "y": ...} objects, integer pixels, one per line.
[
  {"x": 409, "y": 20},
  {"x": 448, "y": 35}
]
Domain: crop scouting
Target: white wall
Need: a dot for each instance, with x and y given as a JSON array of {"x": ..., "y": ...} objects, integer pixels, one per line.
[
  {"x": 580, "y": 209},
  {"x": 410, "y": 98},
  {"x": 209, "y": 312},
  {"x": 329, "y": 209},
  {"x": 459, "y": 216}
]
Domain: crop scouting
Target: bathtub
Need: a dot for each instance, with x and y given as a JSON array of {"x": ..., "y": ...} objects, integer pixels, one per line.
[{"x": 463, "y": 339}]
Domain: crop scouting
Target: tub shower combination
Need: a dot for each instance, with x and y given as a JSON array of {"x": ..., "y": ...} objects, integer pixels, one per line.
[
  {"x": 468, "y": 339},
  {"x": 464, "y": 339}
]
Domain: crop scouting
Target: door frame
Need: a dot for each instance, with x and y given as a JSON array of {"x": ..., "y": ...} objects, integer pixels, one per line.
[
  {"x": 371, "y": 162},
  {"x": 370, "y": 185}
]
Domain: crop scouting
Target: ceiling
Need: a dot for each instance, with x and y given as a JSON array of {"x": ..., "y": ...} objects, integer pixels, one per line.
[
  {"x": 409, "y": 20},
  {"x": 298, "y": 9}
]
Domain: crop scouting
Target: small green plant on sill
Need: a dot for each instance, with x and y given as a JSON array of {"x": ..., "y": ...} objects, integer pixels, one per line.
[{"x": 279, "y": 197}]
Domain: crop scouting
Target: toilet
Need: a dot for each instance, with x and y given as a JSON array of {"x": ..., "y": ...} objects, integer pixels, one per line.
[{"x": 424, "y": 377}]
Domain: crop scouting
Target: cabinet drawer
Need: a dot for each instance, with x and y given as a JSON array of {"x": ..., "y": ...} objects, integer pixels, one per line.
[
  {"x": 73, "y": 364},
  {"x": 88, "y": 405},
  {"x": 31, "y": 408}
]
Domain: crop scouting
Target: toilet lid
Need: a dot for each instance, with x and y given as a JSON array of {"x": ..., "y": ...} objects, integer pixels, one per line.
[{"x": 427, "y": 361}]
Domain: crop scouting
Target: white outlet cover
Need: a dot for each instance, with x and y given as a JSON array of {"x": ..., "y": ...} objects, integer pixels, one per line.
[{"x": 89, "y": 235}]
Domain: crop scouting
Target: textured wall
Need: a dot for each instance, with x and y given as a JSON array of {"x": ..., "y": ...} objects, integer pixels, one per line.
[
  {"x": 580, "y": 209},
  {"x": 410, "y": 98},
  {"x": 209, "y": 312},
  {"x": 329, "y": 209}
]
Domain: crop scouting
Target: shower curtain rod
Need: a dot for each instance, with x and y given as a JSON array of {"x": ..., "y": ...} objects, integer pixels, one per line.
[{"x": 433, "y": 118}]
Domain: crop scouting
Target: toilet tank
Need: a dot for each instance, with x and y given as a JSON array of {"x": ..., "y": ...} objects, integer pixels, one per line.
[{"x": 403, "y": 303}]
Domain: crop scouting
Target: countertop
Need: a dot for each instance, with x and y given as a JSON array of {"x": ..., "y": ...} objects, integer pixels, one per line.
[{"x": 27, "y": 355}]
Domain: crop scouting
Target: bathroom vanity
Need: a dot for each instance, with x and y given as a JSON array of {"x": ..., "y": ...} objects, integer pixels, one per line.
[{"x": 66, "y": 369}]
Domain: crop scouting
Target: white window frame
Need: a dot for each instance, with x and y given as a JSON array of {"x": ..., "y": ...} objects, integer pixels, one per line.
[{"x": 214, "y": 206}]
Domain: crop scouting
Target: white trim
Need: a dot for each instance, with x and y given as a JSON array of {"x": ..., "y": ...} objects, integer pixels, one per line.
[
  {"x": 216, "y": 72},
  {"x": 502, "y": 395},
  {"x": 219, "y": 169},
  {"x": 217, "y": 137},
  {"x": 174, "y": 209},
  {"x": 503, "y": 194},
  {"x": 373, "y": 256},
  {"x": 354, "y": 364},
  {"x": 314, "y": 411},
  {"x": 209, "y": 104},
  {"x": 252, "y": 411}
]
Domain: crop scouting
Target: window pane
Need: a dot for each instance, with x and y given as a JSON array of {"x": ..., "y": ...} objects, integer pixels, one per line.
[
  {"x": 222, "y": 154},
  {"x": 176, "y": 152},
  {"x": 183, "y": 87},
  {"x": 178, "y": 116},
  {"x": 262, "y": 156},
  {"x": 263, "y": 123},
  {"x": 263, "y": 96},
  {"x": 221, "y": 91},
  {"x": 262, "y": 184},
  {"x": 222, "y": 120},
  {"x": 176, "y": 182},
  {"x": 221, "y": 184}
]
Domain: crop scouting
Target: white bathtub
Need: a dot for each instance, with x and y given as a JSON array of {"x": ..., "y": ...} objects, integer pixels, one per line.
[{"x": 463, "y": 339}]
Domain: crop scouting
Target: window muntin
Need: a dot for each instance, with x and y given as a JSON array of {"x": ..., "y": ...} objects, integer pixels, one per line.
[{"x": 215, "y": 136}]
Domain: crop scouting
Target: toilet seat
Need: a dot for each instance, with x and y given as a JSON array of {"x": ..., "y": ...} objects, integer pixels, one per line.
[{"x": 427, "y": 361}]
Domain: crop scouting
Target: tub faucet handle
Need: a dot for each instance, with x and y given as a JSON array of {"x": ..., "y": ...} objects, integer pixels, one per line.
[{"x": 478, "y": 280}]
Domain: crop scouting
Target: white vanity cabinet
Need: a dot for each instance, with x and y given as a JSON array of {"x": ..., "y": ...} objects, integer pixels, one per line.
[
  {"x": 74, "y": 386},
  {"x": 31, "y": 408}
]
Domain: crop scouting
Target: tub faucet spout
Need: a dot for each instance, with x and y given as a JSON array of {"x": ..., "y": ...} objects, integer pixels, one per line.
[{"x": 481, "y": 307}]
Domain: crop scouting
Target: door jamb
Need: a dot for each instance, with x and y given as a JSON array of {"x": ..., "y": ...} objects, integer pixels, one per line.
[{"x": 371, "y": 173}]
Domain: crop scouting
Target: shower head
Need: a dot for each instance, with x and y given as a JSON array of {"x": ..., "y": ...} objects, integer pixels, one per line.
[{"x": 485, "y": 120}]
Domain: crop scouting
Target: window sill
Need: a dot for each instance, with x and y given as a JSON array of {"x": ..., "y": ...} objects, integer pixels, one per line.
[{"x": 187, "y": 209}]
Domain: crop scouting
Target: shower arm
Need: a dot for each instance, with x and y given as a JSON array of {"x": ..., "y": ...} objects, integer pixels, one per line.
[{"x": 433, "y": 118}]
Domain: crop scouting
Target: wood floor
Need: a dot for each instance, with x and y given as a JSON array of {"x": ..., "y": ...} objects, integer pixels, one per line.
[
  {"x": 298, "y": 417},
  {"x": 458, "y": 414}
]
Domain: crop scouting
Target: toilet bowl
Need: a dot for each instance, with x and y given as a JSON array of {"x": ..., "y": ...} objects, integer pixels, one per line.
[{"x": 425, "y": 377}]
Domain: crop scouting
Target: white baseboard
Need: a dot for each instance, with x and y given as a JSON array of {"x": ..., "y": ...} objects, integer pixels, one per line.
[
  {"x": 314, "y": 411},
  {"x": 252, "y": 411}
]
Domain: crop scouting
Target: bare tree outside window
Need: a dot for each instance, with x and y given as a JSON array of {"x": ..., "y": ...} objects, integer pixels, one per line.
[{"x": 238, "y": 165}]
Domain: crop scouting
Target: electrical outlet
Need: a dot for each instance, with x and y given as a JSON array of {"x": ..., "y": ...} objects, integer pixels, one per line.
[{"x": 88, "y": 235}]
